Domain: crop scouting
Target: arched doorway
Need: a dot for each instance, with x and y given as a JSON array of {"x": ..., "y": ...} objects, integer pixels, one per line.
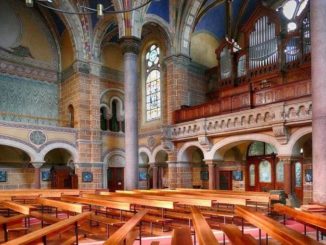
[
  {"x": 199, "y": 171},
  {"x": 16, "y": 171},
  {"x": 162, "y": 169},
  {"x": 261, "y": 167},
  {"x": 231, "y": 173},
  {"x": 115, "y": 172},
  {"x": 302, "y": 175},
  {"x": 144, "y": 178},
  {"x": 58, "y": 171}
]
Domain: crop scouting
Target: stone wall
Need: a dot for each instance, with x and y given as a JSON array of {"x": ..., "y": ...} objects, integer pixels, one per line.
[{"x": 18, "y": 178}]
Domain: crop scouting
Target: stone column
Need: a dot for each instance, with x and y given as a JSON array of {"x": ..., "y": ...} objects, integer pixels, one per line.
[
  {"x": 37, "y": 174},
  {"x": 287, "y": 173},
  {"x": 318, "y": 72},
  {"x": 155, "y": 175},
  {"x": 105, "y": 176},
  {"x": 130, "y": 47},
  {"x": 211, "y": 174},
  {"x": 172, "y": 165},
  {"x": 184, "y": 175}
]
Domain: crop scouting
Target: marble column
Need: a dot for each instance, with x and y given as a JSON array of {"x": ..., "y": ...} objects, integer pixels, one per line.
[
  {"x": 37, "y": 174},
  {"x": 130, "y": 47},
  {"x": 211, "y": 174},
  {"x": 287, "y": 173},
  {"x": 318, "y": 72}
]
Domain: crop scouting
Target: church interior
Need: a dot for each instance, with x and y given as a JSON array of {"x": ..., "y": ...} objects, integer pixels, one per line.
[{"x": 162, "y": 122}]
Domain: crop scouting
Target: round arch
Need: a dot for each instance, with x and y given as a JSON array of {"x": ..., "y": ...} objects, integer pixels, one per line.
[
  {"x": 147, "y": 151},
  {"x": 237, "y": 139},
  {"x": 157, "y": 150},
  {"x": 183, "y": 149},
  {"x": 24, "y": 147},
  {"x": 110, "y": 155},
  {"x": 294, "y": 139},
  {"x": 63, "y": 145}
]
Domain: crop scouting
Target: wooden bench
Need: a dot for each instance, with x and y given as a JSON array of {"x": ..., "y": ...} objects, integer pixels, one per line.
[
  {"x": 54, "y": 228},
  {"x": 312, "y": 219},
  {"x": 75, "y": 208},
  {"x": 133, "y": 200},
  {"x": 5, "y": 221},
  {"x": 235, "y": 236},
  {"x": 120, "y": 235},
  {"x": 106, "y": 221},
  {"x": 98, "y": 202},
  {"x": 202, "y": 229},
  {"x": 151, "y": 219},
  {"x": 181, "y": 236},
  {"x": 276, "y": 230},
  {"x": 20, "y": 208}
]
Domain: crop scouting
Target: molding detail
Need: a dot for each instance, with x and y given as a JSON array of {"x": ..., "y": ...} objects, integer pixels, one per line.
[
  {"x": 281, "y": 133},
  {"x": 130, "y": 45},
  {"x": 37, "y": 137}
]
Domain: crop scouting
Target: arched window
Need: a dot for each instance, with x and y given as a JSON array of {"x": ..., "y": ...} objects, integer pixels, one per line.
[
  {"x": 265, "y": 172},
  {"x": 252, "y": 175},
  {"x": 153, "y": 83},
  {"x": 280, "y": 171},
  {"x": 103, "y": 118},
  {"x": 258, "y": 148},
  {"x": 114, "y": 123},
  {"x": 71, "y": 116}
]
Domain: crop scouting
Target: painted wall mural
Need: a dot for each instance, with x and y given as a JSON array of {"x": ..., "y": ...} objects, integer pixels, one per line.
[{"x": 28, "y": 101}]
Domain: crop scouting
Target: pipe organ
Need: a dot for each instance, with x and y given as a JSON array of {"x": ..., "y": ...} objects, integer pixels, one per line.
[
  {"x": 263, "y": 48},
  {"x": 292, "y": 50},
  {"x": 225, "y": 63}
]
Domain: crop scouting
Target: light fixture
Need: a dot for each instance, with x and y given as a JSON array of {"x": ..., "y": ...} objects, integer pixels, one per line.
[
  {"x": 29, "y": 3},
  {"x": 301, "y": 151},
  {"x": 99, "y": 11}
]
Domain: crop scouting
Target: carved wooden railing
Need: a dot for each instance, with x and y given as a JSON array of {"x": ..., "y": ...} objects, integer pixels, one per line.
[{"x": 245, "y": 98}]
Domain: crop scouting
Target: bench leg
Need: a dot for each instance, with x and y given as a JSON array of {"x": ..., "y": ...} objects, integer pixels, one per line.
[
  {"x": 5, "y": 232},
  {"x": 140, "y": 232},
  {"x": 223, "y": 239},
  {"x": 305, "y": 229},
  {"x": 76, "y": 232},
  {"x": 266, "y": 239},
  {"x": 242, "y": 225},
  {"x": 259, "y": 231},
  {"x": 317, "y": 234},
  {"x": 44, "y": 240}
]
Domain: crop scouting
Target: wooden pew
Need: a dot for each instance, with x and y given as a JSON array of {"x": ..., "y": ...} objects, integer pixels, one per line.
[
  {"x": 9, "y": 194},
  {"x": 54, "y": 228},
  {"x": 312, "y": 219},
  {"x": 276, "y": 230},
  {"x": 76, "y": 208},
  {"x": 106, "y": 221},
  {"x": 203, "y": 231},
  {"x": 133, "y": 200},
  {"x": 204, "y": 202},
  {"x": 5, "y": 221},
  {"x": 181, "y": 236},
  {"x": 20, "y": 208},
  {"x": 120, "y": 235},
  {"x": 98, "y": 202},
  {"x": 236, "y": 237}
]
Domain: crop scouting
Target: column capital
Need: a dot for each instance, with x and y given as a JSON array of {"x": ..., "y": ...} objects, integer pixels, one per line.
[
  {"x": 37, "y": 164},
  {"x": 213, "y": 162},
  {"x": 130, "y": 45}
]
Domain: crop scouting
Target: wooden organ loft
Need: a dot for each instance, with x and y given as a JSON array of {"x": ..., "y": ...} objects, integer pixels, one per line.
[{"x": 273, "y": 66}]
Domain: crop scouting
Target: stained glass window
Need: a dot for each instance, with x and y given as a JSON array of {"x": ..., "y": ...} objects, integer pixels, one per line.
[
  {"x": 252, "y": 175},
  {"x": 280, "y": 171},
  {"x": 153, "y": 83},
  {"x": 265, "y": 172}
]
